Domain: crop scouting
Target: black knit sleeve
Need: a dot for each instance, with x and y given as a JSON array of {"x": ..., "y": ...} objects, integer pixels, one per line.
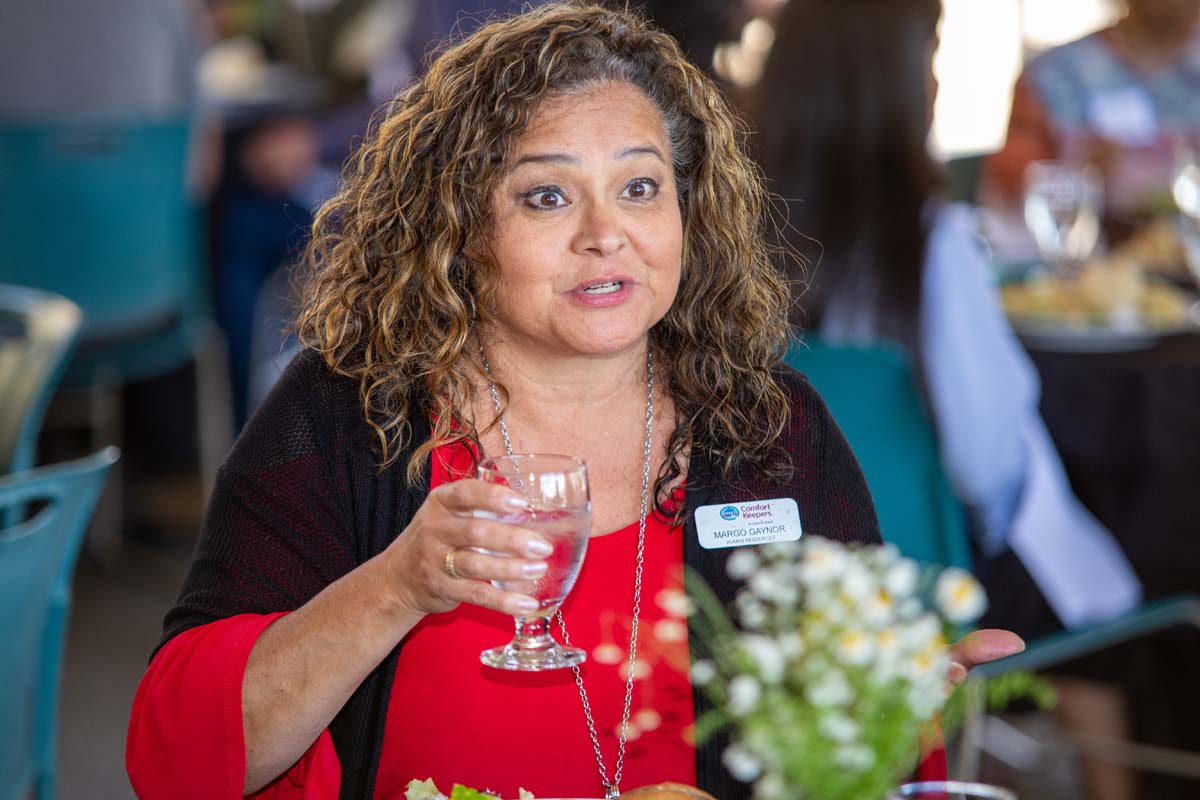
[{"x": 279, "y": 526}]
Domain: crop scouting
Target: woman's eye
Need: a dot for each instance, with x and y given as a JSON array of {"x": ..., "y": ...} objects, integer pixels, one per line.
[
  {"x": 641, "y": 189},
  {"x": 545, "y": 198}
]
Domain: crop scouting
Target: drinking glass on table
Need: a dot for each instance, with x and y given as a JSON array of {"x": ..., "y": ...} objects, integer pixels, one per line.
[
  {"x": 560, "y": 512},
  {"x": 1185, "y": 189},
  {"x": 1063, "y": 201},
  {"x": 950, "y": 790}
]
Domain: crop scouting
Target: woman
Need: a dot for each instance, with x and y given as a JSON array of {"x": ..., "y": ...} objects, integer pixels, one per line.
[
  {"x": 1124, "y": 98},
  {"x": 848, "y": 94},
  {"x": 551, "y": 237}
]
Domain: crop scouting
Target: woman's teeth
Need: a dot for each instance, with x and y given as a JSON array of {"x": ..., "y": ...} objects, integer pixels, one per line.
[{"x": 603, "y": 288}]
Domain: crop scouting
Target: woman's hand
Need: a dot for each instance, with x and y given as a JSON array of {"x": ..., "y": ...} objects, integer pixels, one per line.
[
  {"x": 444, "y": 532},
  {"x": 979, "y": 647}
]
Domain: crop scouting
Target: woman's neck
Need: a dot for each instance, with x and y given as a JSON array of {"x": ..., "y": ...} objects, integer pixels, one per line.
[
  {"x": 1151, "y": 46},
  {"x": 544, "y": 387}
]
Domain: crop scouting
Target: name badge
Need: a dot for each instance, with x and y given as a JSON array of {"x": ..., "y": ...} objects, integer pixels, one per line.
[
  {"x": 1126, "y": 116},
  {"x": 744, "y": 524}
]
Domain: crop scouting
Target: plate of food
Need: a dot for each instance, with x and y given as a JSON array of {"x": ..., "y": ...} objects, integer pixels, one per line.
[
  {"x": 1111, "y": 305},
  {"x": 427, "y": 790}
]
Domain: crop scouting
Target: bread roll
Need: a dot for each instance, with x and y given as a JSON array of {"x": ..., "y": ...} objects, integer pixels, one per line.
[{"x": 667, "y": 791}]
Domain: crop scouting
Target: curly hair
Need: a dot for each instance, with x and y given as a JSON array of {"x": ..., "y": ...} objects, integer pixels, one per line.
[{"x": 398, "y": 261}]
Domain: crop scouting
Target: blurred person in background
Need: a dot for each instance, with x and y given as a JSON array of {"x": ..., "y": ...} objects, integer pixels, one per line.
[
  {"x": 844, "y": 109},
  {"x": 1123, "y": 98}
]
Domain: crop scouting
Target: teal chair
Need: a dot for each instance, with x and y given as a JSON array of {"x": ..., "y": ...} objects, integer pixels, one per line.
[
  {"x": 964, "y": 174},
  {"x": 37, "y": 330},
  {"x": 871, "y": 393},
  {"x": 37, "y": 560},
  {"x": 99, "y": 212}
]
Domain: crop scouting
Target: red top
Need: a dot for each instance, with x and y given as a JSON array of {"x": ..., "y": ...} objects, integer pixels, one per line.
[
  {"x": 455, "y": 720},
  {"x": 449, "y": 717}
]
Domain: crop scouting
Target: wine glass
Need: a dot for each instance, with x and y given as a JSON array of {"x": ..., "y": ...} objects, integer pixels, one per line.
[
  {"x": 1062, "y": 209},
  {"x": 1185, "y": 189},
  {"x": 560, "y": 511},
  {"x": 950, "y": 790}
]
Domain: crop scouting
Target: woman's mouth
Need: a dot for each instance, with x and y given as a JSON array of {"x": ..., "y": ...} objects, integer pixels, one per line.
[
  {"x": 602, "y": 292},
  {"x": 604, "y": 288}
]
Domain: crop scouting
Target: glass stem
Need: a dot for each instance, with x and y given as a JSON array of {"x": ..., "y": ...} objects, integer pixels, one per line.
[{"x": 533, "y": 633}]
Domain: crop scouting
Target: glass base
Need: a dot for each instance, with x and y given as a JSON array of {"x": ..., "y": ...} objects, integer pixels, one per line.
[{"x": 535, "y": 659}]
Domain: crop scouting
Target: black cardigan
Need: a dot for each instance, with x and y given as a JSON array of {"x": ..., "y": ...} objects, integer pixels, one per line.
[{"x": 301, "y": 501}]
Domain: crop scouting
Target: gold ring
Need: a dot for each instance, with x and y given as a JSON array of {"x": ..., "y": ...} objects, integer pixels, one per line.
[{"x": 448, "y": 564}]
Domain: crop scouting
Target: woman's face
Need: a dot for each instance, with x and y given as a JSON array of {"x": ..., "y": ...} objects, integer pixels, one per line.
[{"x": 588, "y": 236}]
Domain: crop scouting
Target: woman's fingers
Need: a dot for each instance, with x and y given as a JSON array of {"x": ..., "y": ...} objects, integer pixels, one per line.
[
  {"x": 482, "y": 593},
  {"x": 469, "y": 496},
  {"x": 979, "y": 647},
  {"x": 496, "y": 536},
  {"x": 487, "y": 566}
]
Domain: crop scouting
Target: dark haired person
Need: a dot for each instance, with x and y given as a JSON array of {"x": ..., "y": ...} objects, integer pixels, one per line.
[{"x": 845, "y": 107}]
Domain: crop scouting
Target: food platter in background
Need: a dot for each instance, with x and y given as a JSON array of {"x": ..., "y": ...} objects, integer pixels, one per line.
[{"x": 1112, "y": 304}]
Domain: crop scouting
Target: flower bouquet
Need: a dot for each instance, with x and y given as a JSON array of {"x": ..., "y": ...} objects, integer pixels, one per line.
[{"x": 835, "y": 668}]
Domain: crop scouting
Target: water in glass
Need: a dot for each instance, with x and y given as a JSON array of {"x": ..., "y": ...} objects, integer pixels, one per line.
[{"x": 560, "y": 512}]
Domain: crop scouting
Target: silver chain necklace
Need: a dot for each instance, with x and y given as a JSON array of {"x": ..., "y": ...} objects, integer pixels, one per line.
[{"x": 611, "y": 788}]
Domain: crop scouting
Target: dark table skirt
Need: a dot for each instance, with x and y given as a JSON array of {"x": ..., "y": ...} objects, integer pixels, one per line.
[{"x": 1128, "y": 429}]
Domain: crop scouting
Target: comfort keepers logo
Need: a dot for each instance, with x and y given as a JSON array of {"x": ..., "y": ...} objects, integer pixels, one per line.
[{"x": 729, "y": 513}]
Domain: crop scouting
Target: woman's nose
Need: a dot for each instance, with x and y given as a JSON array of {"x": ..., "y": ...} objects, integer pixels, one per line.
[{"x": 600, "y": 231}]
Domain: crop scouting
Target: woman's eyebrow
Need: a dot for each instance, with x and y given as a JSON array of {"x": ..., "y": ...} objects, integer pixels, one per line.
[
  {"x": 640, "y": 150},
  {"x": 547, "y": 158},
  {"x": 567, "y": 158}
]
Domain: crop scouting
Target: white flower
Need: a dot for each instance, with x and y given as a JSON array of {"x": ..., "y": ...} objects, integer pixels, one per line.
[
  {"x": 921, "y": 632},
  {"x": 959, "y": 595},
  {"x": 675, "y": 603},
  {"x": 742, "y": 563},
  {"x": 854, "y": 647},
  {"x": 878, "y": 609},
  {"x": 766, "y": 584},
  {"x": 792, "y": 645},
  {"x": 703, "y": 671},
  {"x": 839, "y": 728},
  {"x": 670, "y": 630},
  {"x": 901, "y": 578},
  {"x": 744, "y": 692},
  {"x": 823, "y": 562},
  {"x": 830, "y": 690},
  {"x": 780, "y": 550},
  {"x": 887, "y": 646},
  {"x": 770, "y": 787},
  {"x": 857, "y": 582},
  {"x": 741, "y": 763},
  {"x": 752, "y": 613},
  {"x": 925, "y": 701},
  {"x": 855, "y": 757},
  {"x": 910, "y": 608},
  {"x": 927, "y": 666},
  {"x": 776, "y": 585},
  {"x": 767, "y": 655}
]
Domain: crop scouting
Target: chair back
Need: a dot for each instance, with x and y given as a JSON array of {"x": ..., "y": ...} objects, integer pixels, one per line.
[
  {"x": 37, "y": 330},
  {"x": 964, "y": 174},
  {"x": 873, "y": 398},
  {"x": 98, "y": 211},
  {"x": 37, "y": 560}
]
